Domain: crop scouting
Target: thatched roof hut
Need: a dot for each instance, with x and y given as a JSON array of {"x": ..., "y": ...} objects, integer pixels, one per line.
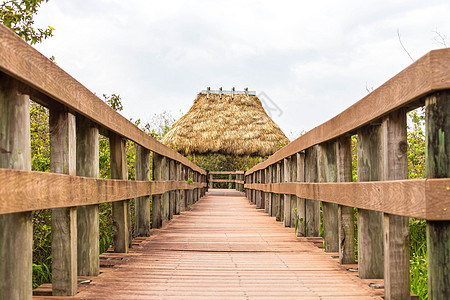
[{"x": 232, "y": 124}]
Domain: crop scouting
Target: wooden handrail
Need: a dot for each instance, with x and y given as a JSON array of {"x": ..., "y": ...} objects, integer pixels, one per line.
[
  {"x": 47, "y": 82},
  {"x": 428, "y": 74},
  {"x": 22, "y": 191},
  {"x": 226, "y": 172}
]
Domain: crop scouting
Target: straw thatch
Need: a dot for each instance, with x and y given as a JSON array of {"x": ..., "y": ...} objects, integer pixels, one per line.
[{"x": 238, "y": 126}]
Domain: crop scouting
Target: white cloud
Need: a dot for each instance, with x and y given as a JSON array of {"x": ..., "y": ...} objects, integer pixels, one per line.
[{"x": 313, "y": 58}]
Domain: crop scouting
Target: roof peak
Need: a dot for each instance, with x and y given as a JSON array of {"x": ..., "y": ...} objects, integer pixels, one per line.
[{"x": 231, "y": 92}]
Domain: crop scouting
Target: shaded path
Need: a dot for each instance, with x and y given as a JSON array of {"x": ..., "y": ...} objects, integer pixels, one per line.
[{"x": 224, "y": 247}]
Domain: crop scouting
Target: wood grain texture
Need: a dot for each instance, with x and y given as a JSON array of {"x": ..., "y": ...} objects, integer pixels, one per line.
[
  {"x": 287, "y": 197},
  {"x": 142, "y": 215},
  {"x": 426, "y": 75},
  {"x": 437, "y": 124},
  {"x": 16, "y": 230},
  {"x": 226, "y": 172},
  {"x": 30, "y": 191},
  {"x": 415, "y": 198},
  {"x": 327, "y": 165},
  {"x": 301, "y": 204},
  {"x": 370, "y": 223},
  {"x": 172, "y": 194},
  {"x": 120, "y": 216},
  {"x": 346, "y": 214},
  {"x": 23, "y": 62},
  {"x": 312, "y": 207},
  {"x": 87, "y": 215},
  {"x": 64, "y": 220},
  {"x": 396, "y": 228}
]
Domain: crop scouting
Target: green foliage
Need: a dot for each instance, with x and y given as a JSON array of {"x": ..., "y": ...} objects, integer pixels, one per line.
[
  {"x": 114, "y": 101},
  {"x": 416, "y": 143},
  {"x": 18, "y": 15},
  {"x": 159, "y": 125},
  {"x": 40, "y": 138}
]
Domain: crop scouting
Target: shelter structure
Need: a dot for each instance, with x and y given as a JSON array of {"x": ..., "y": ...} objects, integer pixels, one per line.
[{"x": 226, "y": 122}]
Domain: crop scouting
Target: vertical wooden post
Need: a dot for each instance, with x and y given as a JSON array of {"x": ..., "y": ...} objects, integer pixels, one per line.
[
  {"x": 301, "y": 203},
  {"x": 16, "y": 230},
  {"x": 194, "y": 191},
  {"x": 87, "y": 216},
  {"x": 171, "y": 193},
  {"x": 287, "y": 198},
  {"x": 258, "y": 193},
  {"x": 182, "y": 192},
  {"x": 210, "y": 181},
  {"x": 275, "y": 197},
  {"x": 328, "y": 173},
  {"x": 64, "y": 220},
  {"x": 190, "y": 192},
  {"x": 119, "y": 170},
  {"x": 293, "y": 198},
  {"x": 178, "y": 192},
  {"x": 312, "y": 211},
  {"x": 252, "y": 191},
  {"x": 437, "y": 124},
  {"x": 165, "y": 203},
  {"x": 263, "y": 194},
  {"x": 396, "y": 228},
  {"x": 268, "y": 208},
  {"x": 157, "y": 199},
  {"x": 142, "y": 204},
  {"x": 278, "y": 179},
  {"x": 370, "y": 223},
  {"x": 346, "y": 215}
]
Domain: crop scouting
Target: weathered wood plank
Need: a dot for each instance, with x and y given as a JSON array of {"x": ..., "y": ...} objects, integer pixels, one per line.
[
  {"x": 287, "y": 197},
  {"x": 293, "y": 198},
  {"x": 370, "y": 223},
  {"x": 16, "y": 230},
  {"x": 64, "y": 220},
  {"x": 119, "y": 170},
  {"x": 327, "y": 164},
  {"x": 396, "y": 228},
  {"x": 437, "y": 124},
  {"x": 142, "y": 167},
  {"x": 87, "y": 216},
  {"x": 301, "y": 204},
  {"x": 346, "y": 214},
  {"x": 312, "y": 207},
  {"x": 424, "y": 76}
]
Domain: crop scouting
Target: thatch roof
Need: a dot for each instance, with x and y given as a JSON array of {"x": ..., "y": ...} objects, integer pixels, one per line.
[{"x": 228, "y": 125}]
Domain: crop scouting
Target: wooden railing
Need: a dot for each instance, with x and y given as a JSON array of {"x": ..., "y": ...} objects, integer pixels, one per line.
[
  {"x": 318, "y": 167},
  {"x": 234, "y": 177},
  {"x": 72, "y": 190}
]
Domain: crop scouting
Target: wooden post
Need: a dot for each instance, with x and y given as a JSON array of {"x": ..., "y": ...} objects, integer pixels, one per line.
[
  {"x": 171, "y": 193},
  {"x": 142, "y": 204},
  {"x": 88, "y": 215},
  {"x": 268, "y": 208},
  {"x": 177, "y": 192},
  {"x": 182, "y": 192},
  {"x": 194, "y": 191},
  {"x": 119, "y": 170},
  {"x": 263, "y": 194},
  {"x": 64, "y": 220},
  {"x": 157, "y": 199},
  {"x": 165, "y": 203},
  {"x": 328, "y": 173},
  {"x": 275, "y": 196},
  {"x": 287, "y": 198},
  {"x": 16, "y": 230},
  {"x": 346, "y": 215},
  {"x": 190, "y": 192},
  {"x": 396, "y": 228},
  {"x": 293, "y": 198},
  {"x": 312, "y": 210},
  {"x": 211, "y": 181},
  {"x": 258, "y": 193},
  {"x": 280, "y": 199},
  {"x": 301, "y": 204},
  {"x": 437, "y": 124},
  {"x": 370, "y": 223}
]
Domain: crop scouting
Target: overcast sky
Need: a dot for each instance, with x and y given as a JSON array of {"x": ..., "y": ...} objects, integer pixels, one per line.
[{"x": 312, "y": 59}]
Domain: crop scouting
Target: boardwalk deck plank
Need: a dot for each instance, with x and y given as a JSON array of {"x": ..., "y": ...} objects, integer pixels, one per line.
[{"x": 225, "y": 248}]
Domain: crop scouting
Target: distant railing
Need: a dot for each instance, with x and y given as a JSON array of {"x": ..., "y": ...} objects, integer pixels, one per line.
[
  {"x": 77, "y": 117},
  {"x": 318, "y": 167},
  {"x": 234, "y": 177}
]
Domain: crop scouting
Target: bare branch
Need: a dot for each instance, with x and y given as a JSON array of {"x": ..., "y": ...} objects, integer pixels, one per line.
[
  {"x": 400, "y": 40},
  {"x": 440, "y": 39}
]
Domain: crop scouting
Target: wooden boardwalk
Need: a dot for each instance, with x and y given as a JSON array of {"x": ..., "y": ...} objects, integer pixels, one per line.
[{"x": 225, "y": 248}]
